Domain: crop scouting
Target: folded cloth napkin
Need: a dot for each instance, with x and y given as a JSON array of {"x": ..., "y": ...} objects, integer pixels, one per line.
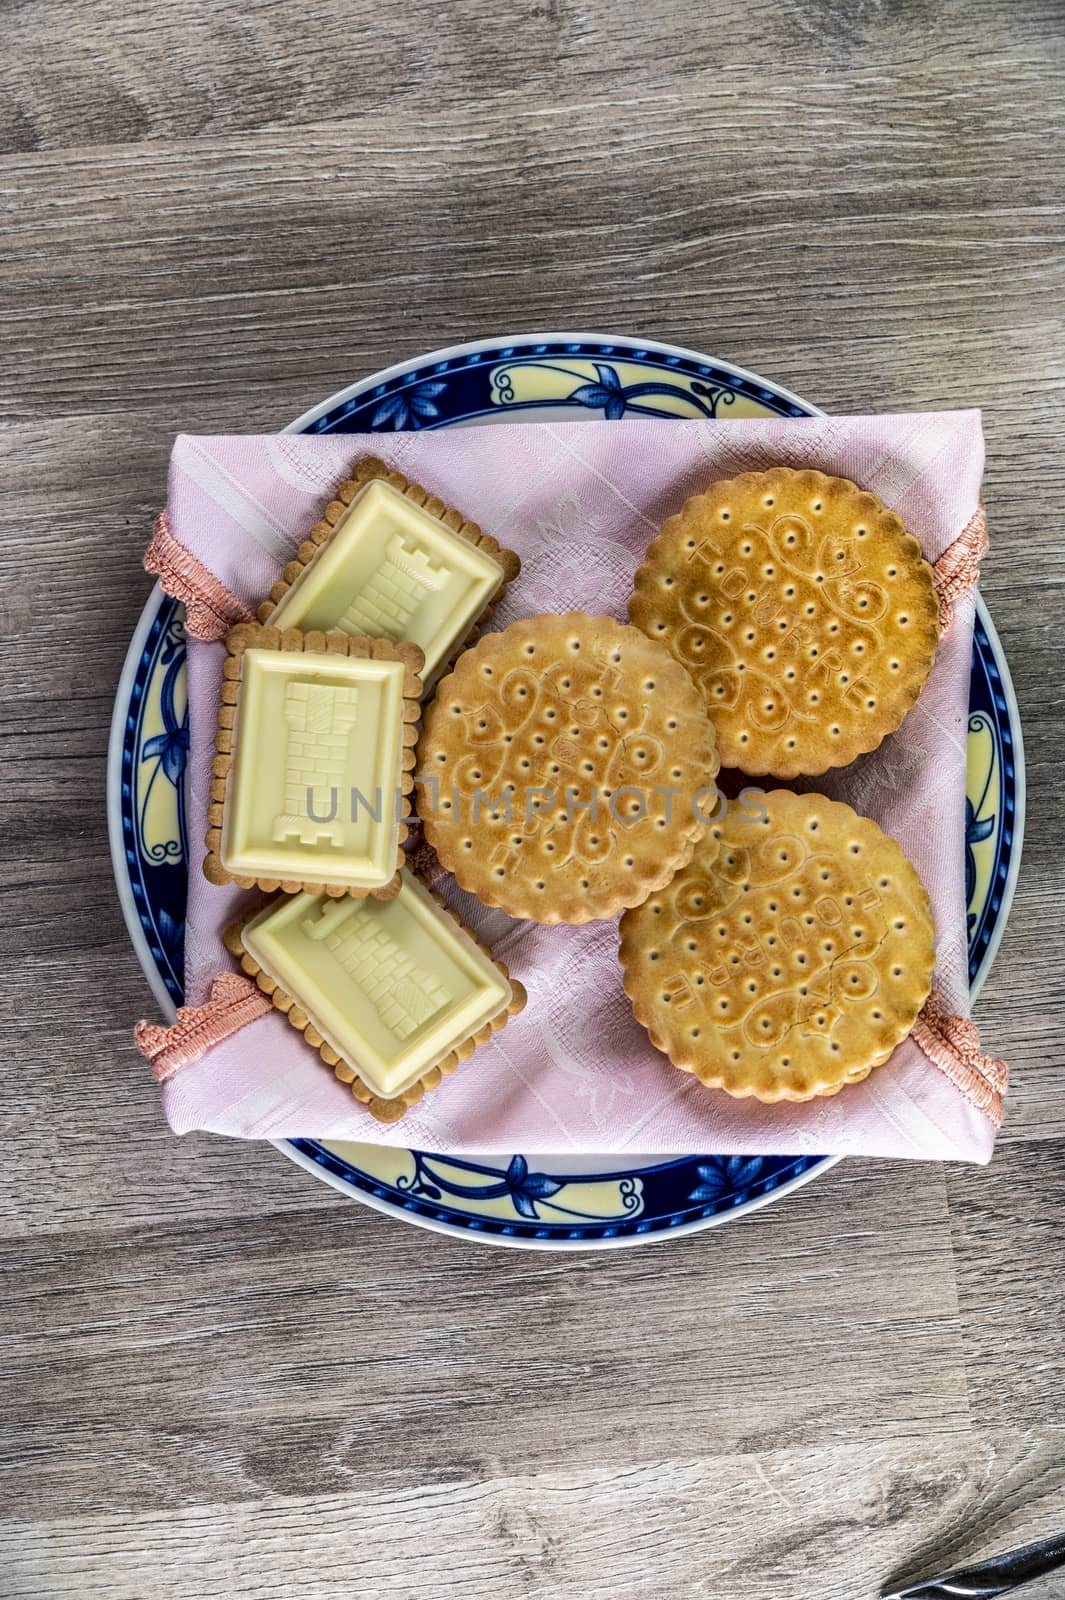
[{"x": 575, "y": 1072}]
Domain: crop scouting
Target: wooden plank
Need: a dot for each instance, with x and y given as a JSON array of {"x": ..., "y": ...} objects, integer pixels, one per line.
[
  {"x": 317, "y": 1363},
  {"x": 122, "y": 74},
  {"x": 836, "y": 1522},
  {"x": 1010, "y": 1257}
]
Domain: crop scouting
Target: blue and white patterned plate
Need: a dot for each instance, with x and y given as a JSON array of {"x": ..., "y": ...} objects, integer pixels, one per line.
[{"x": 546, "y": 1202}]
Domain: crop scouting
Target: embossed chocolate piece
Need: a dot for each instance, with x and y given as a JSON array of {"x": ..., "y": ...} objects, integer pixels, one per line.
[
  {"x": 390, "y": 561},
  {"x": 312, "y": 777},
  {"x": 393, "y": 994}
]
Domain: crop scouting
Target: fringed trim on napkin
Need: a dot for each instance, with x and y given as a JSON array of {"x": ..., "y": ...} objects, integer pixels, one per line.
[
  {"x": 953, "y": 1043},
  {"x": 210, "y": 608},
  {"x": 958, "y": 568},
  {"x": 235, "y": 1001}
]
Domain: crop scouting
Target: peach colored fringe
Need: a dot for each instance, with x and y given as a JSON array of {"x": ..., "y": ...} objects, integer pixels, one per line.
[
  {"x": 958, "y": 568},
  {"x": 953, "y": 1043},
  {"x": 235, "y": 1001},
  {"x": 210, "y": 608}
]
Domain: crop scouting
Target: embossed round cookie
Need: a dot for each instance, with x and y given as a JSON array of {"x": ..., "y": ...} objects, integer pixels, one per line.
[
  {"x": 789, "y": 958},
  {"x": 802, "y": 608},
  {"x": 566, "y": 768}
]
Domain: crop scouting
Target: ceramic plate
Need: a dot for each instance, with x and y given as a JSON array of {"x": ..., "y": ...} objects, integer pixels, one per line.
[{"x": 543, "y": 1202}]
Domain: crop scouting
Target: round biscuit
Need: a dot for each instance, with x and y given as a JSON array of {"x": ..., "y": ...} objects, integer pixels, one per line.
[
  {"x": 789, "y": 957},
  {"x": 566, "y": 768},
  {"x": 804, "y": 611}
]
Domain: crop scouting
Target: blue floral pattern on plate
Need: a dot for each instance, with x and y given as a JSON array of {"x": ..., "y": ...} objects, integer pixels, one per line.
[
  {"x": 411, "y": 409},
  {"x": 153, "y": 757},
  {"x": 561, "y": 374},
  {"x": 514, "y": 1200}
]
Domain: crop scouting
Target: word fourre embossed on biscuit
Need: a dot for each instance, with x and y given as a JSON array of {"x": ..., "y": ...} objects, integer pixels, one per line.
[
  {"x": 788, "y": 960},
  {"x": 564, "y": 754},
  {"x": 803, "y": 610}
]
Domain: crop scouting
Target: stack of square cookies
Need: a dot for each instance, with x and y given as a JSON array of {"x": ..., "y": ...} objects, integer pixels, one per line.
[{"x": 312, "y": 787}]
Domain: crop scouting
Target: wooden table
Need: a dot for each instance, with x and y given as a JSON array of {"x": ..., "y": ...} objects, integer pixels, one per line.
[{"x": 220, "y": 1378}]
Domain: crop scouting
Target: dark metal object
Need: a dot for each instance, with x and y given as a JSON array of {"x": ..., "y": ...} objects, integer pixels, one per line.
[{"x": 988, "y": 1579}]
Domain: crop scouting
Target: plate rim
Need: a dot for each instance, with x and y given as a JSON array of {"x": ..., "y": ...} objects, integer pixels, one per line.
[
  {"x": 448, "y": 353},
  {"x": 1013, "y": 707},
  {"x": 120, "y": 712},
  {"x": 119, "y": 719},
  {"x": 619, "y": 1241}
]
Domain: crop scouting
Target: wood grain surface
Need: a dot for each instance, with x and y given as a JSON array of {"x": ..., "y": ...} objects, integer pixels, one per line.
[{"x": 218, "y": 1378}]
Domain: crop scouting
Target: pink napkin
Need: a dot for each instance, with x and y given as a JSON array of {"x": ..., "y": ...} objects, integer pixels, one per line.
[{"x": 579, "y": 502}]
